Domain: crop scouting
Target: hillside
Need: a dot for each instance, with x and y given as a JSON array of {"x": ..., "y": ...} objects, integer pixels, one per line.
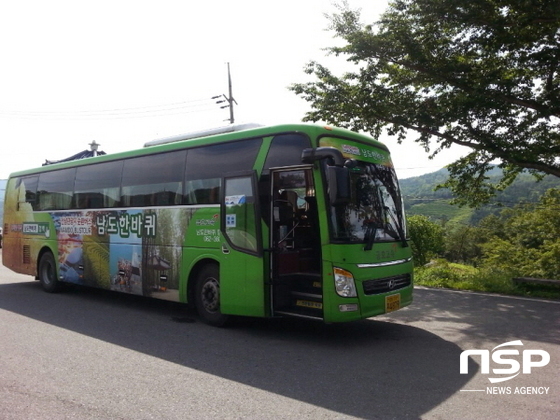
[{"x": 420, "y": 197}]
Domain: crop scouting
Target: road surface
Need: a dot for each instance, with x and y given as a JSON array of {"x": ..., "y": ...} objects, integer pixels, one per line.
[{"x": 90, "y": 354}]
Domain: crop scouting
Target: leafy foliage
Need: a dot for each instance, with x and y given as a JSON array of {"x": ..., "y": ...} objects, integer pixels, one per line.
[
  {"x": 463, "y": 243},
  {"x": 520, "y": 242},
  {"x": 528, "y": 240},
  {"x": 477, "y": 73},
  {"x": 441, "y": 273},
  {"x": 426, "y": 237}
]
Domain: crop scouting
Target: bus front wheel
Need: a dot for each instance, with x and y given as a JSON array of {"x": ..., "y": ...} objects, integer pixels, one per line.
[
  {"x": 47, "y": 274},
  {"x": 207, "y": 296}
]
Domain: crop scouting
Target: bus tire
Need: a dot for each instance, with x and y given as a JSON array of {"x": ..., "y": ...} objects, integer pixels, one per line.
[
  {"x": 47, "y": 274},
  {"x": 207, "y": 296}
]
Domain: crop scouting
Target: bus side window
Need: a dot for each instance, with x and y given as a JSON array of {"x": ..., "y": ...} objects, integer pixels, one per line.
[
  {"x": 98, "y": 186},
  {"x": 203, "y": 191},
  {"x": 286, "y": 150},
  {"x": 55, "y": 189},
  {"x": 154, "y": 180},
  {"x": 30, "y": 185},
  {"x": 207, "y": 164}
]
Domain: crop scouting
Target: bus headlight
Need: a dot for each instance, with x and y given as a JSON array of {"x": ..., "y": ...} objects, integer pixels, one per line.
[{"x": 344, "y": 283}]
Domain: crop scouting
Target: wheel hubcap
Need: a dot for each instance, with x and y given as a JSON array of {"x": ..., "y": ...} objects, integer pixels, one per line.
[{"x": 211, "y": 295}]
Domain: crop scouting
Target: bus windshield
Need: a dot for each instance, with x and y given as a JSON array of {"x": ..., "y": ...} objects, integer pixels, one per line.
[{"x": 374, "y": 212}]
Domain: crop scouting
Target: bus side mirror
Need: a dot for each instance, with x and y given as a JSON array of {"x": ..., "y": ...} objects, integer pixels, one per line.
[{"x": 338, "y": 179}]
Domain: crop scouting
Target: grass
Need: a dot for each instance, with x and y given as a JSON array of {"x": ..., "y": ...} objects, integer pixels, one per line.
[
  {"x": 443, "y": 274},
  {"x": 440, "y": 210}
]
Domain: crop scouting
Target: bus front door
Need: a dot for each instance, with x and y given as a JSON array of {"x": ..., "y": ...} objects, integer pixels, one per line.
[
  {"x": 295, "y": 263},
  {"x": 241, "y": 267}
]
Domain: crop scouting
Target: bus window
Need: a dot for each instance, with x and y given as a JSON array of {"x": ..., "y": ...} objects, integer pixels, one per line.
[
  {"x": 55, "y": 189},
  {"x": 203, "y": 191},
  {"x": 98, "y": 186},
  {"x": 240, "y": 220},
  {"x": 154, "y": 180},
  {"x": 204, "y": 163},
  {"x": 286, "y": 150},
  {"x": 30, "y": 185}
]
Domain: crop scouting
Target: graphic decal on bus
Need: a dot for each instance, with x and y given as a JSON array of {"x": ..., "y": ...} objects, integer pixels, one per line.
[
  {"x": 123, "y": 250},
  {"x": 36, "y": 229},
  {"x": 355, "y": 150},
  {"x": 134, "y": 250}
]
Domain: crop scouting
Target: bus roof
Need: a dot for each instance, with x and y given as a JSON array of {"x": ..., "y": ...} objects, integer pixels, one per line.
[
  {"x": 204, "y": 133},
  {"x": 216, "y": 135}
]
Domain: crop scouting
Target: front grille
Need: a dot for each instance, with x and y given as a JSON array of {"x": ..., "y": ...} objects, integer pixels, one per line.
[{"x": 386, "y": 284}]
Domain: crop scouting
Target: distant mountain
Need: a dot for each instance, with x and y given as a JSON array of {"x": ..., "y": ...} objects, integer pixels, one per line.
[{"x": 420, "y": 197}]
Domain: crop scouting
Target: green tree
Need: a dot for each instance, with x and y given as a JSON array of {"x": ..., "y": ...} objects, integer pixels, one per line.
[
  {"x": 477, "y": 73},
  {"x": 528, "y": 240},
  {"x": 426, "y": 237},
  {"x": 463, "y": 243}
]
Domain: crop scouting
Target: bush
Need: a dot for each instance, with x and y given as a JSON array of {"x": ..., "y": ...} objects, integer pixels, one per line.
[
  {"x": 426, "y": 237},
  {"x": 443, "y": 274}
]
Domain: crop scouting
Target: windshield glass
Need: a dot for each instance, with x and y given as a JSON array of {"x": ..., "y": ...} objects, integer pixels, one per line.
[{"x": 374, "y": 212}]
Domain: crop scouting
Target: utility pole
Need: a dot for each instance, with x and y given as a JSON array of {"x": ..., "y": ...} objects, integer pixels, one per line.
[{"x": 229, "y": 99}]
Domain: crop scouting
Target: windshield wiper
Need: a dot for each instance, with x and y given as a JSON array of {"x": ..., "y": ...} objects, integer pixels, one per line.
[
  {"x": 400, "y": 232},
  {"x": 387, "y": 177},
  {"x": 392, "y": 232},
  {"x": 371, "y": 231}
]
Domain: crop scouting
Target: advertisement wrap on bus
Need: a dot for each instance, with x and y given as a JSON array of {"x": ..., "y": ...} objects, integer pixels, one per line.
[{"x": 292, "y": 220}]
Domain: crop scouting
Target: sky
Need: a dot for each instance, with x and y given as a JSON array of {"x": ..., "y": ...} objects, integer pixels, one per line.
[{"x": 126, "y": 72}]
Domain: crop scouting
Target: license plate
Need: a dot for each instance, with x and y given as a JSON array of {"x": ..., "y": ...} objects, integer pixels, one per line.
[
  {"x": 308, "y": 304},
  {"x": 392, "y": 303}
]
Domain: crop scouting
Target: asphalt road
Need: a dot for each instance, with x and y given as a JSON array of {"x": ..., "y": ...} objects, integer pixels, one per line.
[{"x": 89, "y": 354}]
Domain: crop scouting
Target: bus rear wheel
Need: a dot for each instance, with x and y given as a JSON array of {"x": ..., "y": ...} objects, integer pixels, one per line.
[
  {"x": 207, "y": 296},
  {"x": 47, "y": 273}
]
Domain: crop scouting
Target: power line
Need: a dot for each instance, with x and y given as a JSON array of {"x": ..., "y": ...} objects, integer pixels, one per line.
[{"x": 196, "y": 105}]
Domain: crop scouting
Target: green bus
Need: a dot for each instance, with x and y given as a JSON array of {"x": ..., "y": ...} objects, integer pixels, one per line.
[{"x": 288, "y": 220}]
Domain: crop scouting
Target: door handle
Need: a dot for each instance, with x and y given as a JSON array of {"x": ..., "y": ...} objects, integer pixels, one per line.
[{"x": 225, "y": 249}]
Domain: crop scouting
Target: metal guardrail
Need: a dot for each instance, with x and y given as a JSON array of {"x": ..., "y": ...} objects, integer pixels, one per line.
[{"x": 536, "y": 281}]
